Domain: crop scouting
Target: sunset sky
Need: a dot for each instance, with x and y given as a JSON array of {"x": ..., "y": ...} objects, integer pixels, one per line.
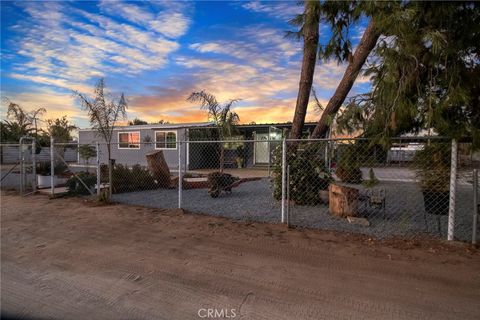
[{"x": 157, "y": 53}]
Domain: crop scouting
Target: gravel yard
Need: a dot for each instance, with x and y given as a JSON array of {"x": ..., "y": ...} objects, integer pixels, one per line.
[{"x": 404, "y": 214}]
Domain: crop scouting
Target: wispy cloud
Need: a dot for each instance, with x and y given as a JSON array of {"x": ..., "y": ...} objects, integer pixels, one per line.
[
  {"x": 57, "y": 104},
  {"x": 65, "y": 46},
  {"x": 263, "y": 70},
  {"x": 171, "y": 21},
  {"x": 284, "y": 10},
  {"x": 149, "y": 50}
]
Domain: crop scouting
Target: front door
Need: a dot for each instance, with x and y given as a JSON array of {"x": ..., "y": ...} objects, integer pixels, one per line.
[{"x": 261, "y": 148}]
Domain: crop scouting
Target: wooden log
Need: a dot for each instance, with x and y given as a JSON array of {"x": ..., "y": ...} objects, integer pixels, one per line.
[
  {"x": 158, "y": 168},
  {"x": 343, "y": 200}
]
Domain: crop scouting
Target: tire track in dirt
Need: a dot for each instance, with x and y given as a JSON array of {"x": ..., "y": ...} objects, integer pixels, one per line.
[
  {"x": 296, "y": 291},
  {"x": 139, "y": 264}
]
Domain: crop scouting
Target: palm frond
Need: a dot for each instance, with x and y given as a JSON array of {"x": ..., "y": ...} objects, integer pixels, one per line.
[
  {"x": 103, "y": 115},
  {"x": 222, "y": 115},
  {"x": 318, "y": 104}
]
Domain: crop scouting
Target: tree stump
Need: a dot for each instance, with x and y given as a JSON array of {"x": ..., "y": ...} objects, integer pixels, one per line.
[
  {"x": 159, "y": 169},
  {"x": 343, "y": 200}
]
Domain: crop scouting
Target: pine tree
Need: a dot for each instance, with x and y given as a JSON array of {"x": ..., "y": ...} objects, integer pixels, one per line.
[{"x": 426, "y": 73}]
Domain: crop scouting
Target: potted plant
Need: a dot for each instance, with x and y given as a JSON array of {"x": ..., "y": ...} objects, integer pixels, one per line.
[
  {"x": 432, "y": 165},
  {"x": 43, "y": 174},
  {"x": 240, "y": 159},
  {"x": 43, "y": 171}
]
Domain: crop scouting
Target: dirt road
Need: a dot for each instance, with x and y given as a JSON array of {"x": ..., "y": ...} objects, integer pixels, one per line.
[{"x": 68, "y": 259}]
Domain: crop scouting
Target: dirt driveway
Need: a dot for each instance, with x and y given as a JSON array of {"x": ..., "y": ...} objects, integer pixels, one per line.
[{"x": 69, "y": 259}]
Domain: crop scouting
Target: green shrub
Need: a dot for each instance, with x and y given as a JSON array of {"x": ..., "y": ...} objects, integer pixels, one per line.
[
  {"x": 348, "y": 167},
  {"x": 74, "y": 186},
  {"x": 131, "y": 179},
  {"x": 308, "y": 173},
  {"x": 432, "y": 165}
]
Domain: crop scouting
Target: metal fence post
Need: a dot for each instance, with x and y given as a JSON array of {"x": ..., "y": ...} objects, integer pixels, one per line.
[
  {"x": 284, "y": 168},
  {"x": 34, "y": 166},
  {"x": 288, "y": 196},
  {"x": 20, "y": 158},
  {"x": 453, "y": 189},
  {"x": 52, "y": 166},
  {"x": 97, "y": 147},
  {"x": 179, "y": 175},
  {"x": 475, "y": 206}
]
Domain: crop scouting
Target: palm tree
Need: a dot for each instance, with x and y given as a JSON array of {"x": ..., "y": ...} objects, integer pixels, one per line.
[
  {"x": 309, "y": 23},
  {"x": 12, "y": 131},
  {"x": 222, "y": 115},
  {"x": 34, "y": 117},
  {"x": 18, "y": 114},
  {"x": 103, "y": 117},
  {"x": 23, "y": 118}
]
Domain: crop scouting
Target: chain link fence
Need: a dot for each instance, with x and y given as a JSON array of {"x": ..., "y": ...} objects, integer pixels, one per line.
[
  {"x": 352, "y": 185},
  {"x": 10, "y": 165},
  {"x": 403, "y": 190}
]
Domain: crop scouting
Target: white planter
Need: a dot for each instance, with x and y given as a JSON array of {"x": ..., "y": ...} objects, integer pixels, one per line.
[{"x": 46, "y": 181}]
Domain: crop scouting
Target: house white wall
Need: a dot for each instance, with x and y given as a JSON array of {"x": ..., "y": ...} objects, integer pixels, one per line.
[{"x": 132, "y": 156}]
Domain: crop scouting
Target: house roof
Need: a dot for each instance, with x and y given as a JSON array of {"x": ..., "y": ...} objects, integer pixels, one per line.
[
  {"x": 160, "y": 126},
  {"x": 279, "y": 124},
  {"x": 198, "y": 125}
]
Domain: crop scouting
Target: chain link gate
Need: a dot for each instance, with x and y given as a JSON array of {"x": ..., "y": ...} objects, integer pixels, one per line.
[
  {"x": 73, "y": 168},
  {"x": 27, "y": 152}
]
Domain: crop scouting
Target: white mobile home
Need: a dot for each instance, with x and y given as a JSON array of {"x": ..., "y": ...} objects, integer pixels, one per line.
[{"x": 130, "y": 143}]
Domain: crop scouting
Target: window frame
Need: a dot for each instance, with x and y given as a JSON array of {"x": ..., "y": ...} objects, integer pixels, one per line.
[
  {"x": 129, "y": 132},
  {"x": 166, "y": 143}
]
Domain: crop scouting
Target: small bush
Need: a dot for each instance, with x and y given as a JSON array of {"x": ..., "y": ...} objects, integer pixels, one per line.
[
  {"x": 308, "y": 173},
  {"x": 74, "y": 186},
  {"x": 372, "y": 180},
  {"x": 348, "y": 168},
  {"x": 131, "y": 179},
  {"x": 218, "y": 182}
]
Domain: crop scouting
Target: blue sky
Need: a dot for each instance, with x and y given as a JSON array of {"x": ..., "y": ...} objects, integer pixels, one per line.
[{"x": 157, "y": 53}]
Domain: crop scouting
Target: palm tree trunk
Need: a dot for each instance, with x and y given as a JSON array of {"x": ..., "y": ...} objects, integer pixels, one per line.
[
  {"x": 366, "y": 45},
  {"x": 310, "y": 47}
]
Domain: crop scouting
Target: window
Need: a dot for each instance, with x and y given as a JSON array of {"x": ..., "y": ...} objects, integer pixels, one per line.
[
  {"x": 129, "y": 140},
  {"x": 165, "y": 140}
]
